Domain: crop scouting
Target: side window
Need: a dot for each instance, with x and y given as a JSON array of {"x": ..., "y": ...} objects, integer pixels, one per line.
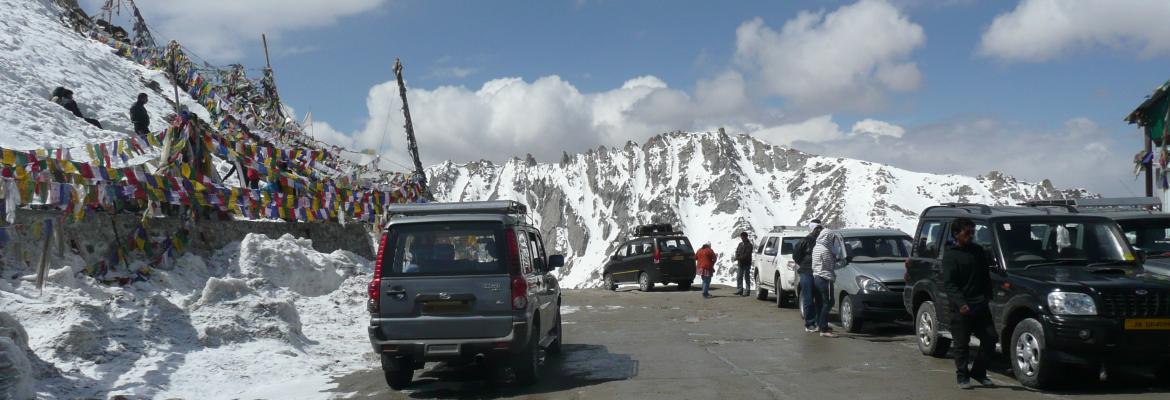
[
  {"x": 647, "y": 247},
  {"x": 770, "y": 248},
  {"x": 929, "y": 240},
  {"x": 789, "y": 244},
  {"x": 982, "y": 236},
  {"x": 538, "y": 257},
  {"x": 621, "y": 251},
  {"x": 760, "y": 247},
  {"x": 525, "y": 252}
]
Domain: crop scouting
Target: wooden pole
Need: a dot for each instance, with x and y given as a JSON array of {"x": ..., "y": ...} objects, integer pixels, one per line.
[
  {"x": 411, "y": 144},
  {"x": 42, "y": 268},
  {"x": 1148, "y": 167},
  {"x": 267, "y": 61}
]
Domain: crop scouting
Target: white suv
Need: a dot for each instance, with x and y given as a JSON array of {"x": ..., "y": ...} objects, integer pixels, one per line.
[{"x": 772, "y": 265}]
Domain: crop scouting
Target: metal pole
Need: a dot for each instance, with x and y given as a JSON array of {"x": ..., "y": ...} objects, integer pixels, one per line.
[
  {"x": 411, "y": 144},
  {"x": 1148, "y": 167}
]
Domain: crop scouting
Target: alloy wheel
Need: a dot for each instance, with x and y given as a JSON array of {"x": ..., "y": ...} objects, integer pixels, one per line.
[{"x": 1028, "y": 354}]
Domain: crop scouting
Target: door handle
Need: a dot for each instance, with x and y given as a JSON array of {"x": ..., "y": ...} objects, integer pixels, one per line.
[{"x": 397, "y": 293}]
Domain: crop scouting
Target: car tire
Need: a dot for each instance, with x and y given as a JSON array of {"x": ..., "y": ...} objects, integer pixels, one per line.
[
  {"x": 1028, "y": 354},
  {"x": 926, "y": 328},
  {"x": 399, "y": 371},
  {"x": 526, "y": 365},
  {"x": 849, "y": 320},
  {"x": 644, "y": 283},
  {"x": 800, "y": 305},
  {"x": 608, "y": 282},
  {"x": 684, "y": 286},
  {"x": 555, "y": 346},
  {"x": 779, "y": 293}
]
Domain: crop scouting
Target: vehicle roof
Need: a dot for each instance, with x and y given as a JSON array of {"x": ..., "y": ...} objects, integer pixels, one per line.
[
  {"x": 505, "y": 219},
  {"x": 787, "y": 232},
  {"x": 656, "y": 237},
  {"x": 866, "y": 232},
  {"x": 1128, "y": 214},
  {"x": 977, "y": 211}
]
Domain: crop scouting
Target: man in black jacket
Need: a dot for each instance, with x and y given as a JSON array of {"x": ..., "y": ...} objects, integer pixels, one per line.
[
  {"x": 966, "y": 279},
  {"x": 140, "y": 117},
  {"x": 743, "y": 257}
]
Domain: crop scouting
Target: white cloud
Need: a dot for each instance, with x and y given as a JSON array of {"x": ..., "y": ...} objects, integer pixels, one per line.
[
  {"x": 222, "y": 30},
  {"x": 451, "y": 72},
  {"x": 511, "y": 117},
  {"x": 1078, "y": 153},
  {"x": 877, "y": 129},
  {"x": 1040, "y": 30},
  {"x": 816, "y": 129},
  {"x": 845, "y": 59}
]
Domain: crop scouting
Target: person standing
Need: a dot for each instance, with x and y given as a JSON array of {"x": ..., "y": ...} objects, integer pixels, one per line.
[
  {"x": 140, "y": 117},
  {"x": 743, "y": 260},
  {"x": 705, "y": 267},
  {"x": 802, "y": 256},
  {"x": 824, "y": 263},
  {"x": 967, "y": 280}
]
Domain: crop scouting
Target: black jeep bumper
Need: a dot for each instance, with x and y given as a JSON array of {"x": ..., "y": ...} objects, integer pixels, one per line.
[
  {"x": 1090, "y": 340},
  {"x": 881, "y": 306}
]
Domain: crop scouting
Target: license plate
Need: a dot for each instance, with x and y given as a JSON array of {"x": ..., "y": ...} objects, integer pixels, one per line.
[
  {"x": 678, "y": 258},
  {"x": 444, "y": 307},
  {"x": 1148, "y": 324}
]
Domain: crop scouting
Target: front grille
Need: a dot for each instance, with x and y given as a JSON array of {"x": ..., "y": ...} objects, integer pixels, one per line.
[
  {"x": 1129, "y": 304},
  {"x": 895, "y": 286}
]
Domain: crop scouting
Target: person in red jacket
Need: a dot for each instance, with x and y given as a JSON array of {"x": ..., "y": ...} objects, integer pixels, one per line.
[{"x": 705, "y": 267}]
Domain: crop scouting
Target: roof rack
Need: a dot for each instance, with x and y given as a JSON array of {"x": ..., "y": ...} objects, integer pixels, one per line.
[
  {"x": 655, "y": 230},
  {"x": 778, "y": 228},
  {"x": 510, "y": 207},
  {"x": 983, "y": 208},
  {"x": 1116, "y": 202}
]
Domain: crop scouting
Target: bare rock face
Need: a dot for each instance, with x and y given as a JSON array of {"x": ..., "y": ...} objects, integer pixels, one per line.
[{"x": 711, "y": 186}]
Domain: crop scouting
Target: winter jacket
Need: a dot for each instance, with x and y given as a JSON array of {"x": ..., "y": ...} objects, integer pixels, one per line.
[
  {"x": 804, "y": 248},
  {"x": 140, "y": 118},
  {"x": 705, "y": 262},
  {"x": 824, "y": 261},
  {"x": 743, "y": 253},
  {"x": 965, "y": 277}
]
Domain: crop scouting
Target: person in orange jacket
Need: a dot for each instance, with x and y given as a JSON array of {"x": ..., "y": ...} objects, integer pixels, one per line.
[{"x": 705, "y": 267}]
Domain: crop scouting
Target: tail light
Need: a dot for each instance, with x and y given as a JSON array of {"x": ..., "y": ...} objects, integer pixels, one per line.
[
  {"x": 519, "y": 284},
  {"x": 374, "y": 290},
  {"x": 657, "y": 255}
]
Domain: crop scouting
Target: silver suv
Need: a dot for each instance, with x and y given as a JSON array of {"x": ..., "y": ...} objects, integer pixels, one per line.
[{"x": 463, "y": 282}]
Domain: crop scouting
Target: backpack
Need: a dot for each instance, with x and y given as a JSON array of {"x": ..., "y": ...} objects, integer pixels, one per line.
[{"x": 800, "y": 252}]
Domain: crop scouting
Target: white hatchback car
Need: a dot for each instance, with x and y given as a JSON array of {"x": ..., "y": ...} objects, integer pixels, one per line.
[{"x": 772, "y": 265}]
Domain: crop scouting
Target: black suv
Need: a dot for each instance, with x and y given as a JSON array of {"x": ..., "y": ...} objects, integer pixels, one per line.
[
  {"x": 1067, "y": 290},
  {"x": 657, "y": 253}
]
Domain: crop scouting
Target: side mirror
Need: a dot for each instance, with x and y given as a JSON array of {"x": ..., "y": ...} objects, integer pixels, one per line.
[{"x": 556, "y": 261}]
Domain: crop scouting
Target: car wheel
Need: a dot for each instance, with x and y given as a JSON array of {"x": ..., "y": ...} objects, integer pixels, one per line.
[
  {"x": 399, "y": 371},
  {"x": 849, "y": 320},
  {"x": 644, "y": 283},
  {"x": 779, "y": 293},
  {"x": 926, "y": 326},
  {"x": 684, "y": 286},
  {"x": 1031, "y": 363},
  {"x": 555, "y": 346},
  {"x": 609, "y": 284},
  {"x": 527, "y": 363}
]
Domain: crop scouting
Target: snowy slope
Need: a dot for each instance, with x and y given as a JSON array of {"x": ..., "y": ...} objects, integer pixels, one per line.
[
  {"x": 712, "y": 186},
  {"x": 264, "y": 318},
  {"x": 38, "y": 53}
]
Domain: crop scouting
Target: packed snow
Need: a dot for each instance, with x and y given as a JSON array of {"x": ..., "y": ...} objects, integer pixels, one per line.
[{"x": 261, "y": 318}]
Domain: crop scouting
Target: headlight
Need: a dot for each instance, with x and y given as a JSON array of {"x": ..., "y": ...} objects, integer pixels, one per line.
[
  {"x": 1070, "y": 303},
  {"x": 870, "y": 285}
]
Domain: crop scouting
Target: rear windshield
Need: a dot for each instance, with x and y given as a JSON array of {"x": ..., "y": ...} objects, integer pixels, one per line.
[
  {"x": 466, "y": 248},
  {"x": 675, "y": 244}
]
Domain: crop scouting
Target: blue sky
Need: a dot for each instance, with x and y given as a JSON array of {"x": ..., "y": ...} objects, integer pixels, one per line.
[{"x": 904, "y": 82}]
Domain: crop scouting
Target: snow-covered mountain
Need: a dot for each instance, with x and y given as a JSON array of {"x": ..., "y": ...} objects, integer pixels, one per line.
[{"x": 712, "y": 185}]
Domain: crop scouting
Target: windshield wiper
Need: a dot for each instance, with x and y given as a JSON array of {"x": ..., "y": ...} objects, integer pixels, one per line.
[
  {"x": 1058, "y": 262},
  {"x": 1108, "y": 263}
]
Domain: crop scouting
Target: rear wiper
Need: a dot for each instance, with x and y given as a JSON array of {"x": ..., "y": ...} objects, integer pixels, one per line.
[{"x": 1059, "y": 262}]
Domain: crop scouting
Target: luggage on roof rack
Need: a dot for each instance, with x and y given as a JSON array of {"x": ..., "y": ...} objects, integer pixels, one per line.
[{"x": 655, "y": 229}]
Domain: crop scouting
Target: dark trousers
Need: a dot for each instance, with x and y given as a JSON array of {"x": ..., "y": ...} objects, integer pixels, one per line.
[
  {"x": 978, "y": 323},
  {"x": 824, "y": 302},
  {"x": 743, "y": 277},
  {"x": 808, "y": 293}
]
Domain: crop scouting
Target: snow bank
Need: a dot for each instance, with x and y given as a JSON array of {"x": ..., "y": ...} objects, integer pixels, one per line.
[{"x": 261, "y": 318}]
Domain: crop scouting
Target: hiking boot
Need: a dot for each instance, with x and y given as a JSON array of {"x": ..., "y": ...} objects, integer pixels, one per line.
[{"x": 965, "y": 384}]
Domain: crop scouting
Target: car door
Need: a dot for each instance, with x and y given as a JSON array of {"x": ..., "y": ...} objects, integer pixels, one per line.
[
  {"x": 640, "y": 258},
  {"x": 547, "y": 284},
  {"x": 925, "y": 263},
  {"x": 787, "y": 271},
  {"x": 768, "y": 262}
]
